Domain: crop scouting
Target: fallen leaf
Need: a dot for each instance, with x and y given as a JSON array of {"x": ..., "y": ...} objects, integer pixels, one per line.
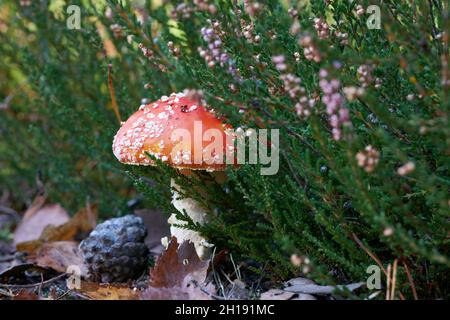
[
  {"x": 26, "y": 295},
  {"x": 178, "y": 264},
  {"x": 304, "y": 296},
  {"x": 7, "y": 257},
  {"x": 276, "y": 294},
  {"x": 82, "y": 222},
  {"x": 97, "y": 291},
  {"x": 220, "y": 257},
  {"x": 59, "y": 255},
  {"x": 299, "y": 282},
  {"x": 21, "y": 274},
  {"x": 37, "y": 204},
  {"x": 36, "y": 219},
  {"x": 178, "y": 275},
  {"x": 303, "y": 285},
  {"x": 157, "y": 226},
  {"x": 188, "y": 291}
]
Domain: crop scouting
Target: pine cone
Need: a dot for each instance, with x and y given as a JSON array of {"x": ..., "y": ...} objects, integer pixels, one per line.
[{"x": 115, "y": 250}]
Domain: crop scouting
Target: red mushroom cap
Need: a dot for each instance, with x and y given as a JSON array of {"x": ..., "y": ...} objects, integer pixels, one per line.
[{"x": 152, "y": 128}]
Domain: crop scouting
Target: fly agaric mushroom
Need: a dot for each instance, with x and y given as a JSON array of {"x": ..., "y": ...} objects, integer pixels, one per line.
[{"x": 177, "y": 130}]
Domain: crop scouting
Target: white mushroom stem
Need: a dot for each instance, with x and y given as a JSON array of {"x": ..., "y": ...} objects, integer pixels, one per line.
[{"x": 196, "y": 213}]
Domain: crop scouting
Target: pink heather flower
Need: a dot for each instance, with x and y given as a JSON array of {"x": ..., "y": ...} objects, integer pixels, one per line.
[
  {"x": 310, "y": 50},
  {"x": 406, "y": 169},
  {"x": 342, "y": 37},
  {"x": 368, "y": 159},
  {"x": 388, "y": 231},
  {"x": 360, "y": 10},
  {"x": 215, "y": 54},
  {"x": 292, "y": 87},
  {"x": 292, "y": 12},
  {"x": 339, "y": 115},
  {"x": 185, "y": 11},
  {"x": 322, "y": 28},
  {"x": 323, "y": 73},
  {"x": 334, "y": 120},
  {"x": 351, "y": 93},
  {"x": 336, "y": 133},
  {"x": 335, "y": 84},
  {"x": 344, "y": 115},
  {"x": 365, "y": 76},
  {"x": 252, "y": 7}
]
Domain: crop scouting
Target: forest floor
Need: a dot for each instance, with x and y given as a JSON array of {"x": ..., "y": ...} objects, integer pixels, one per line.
[{"x": 40, "y": 259}]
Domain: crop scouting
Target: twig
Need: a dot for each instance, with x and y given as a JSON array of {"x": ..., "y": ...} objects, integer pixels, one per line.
[
  {"x": 211, "y": 295},
  {"x": 64, "y": 294},
  {"x": 433, "y": 26},
  {"x": 40, "y": 285},
  {"x": 114, "y": 105},
  {"x": 81, "y": 295},
  {"x": 236, "y": 268},
  {"x": 388, "y": 283},
  {"x": 215, "y": 275},
  {"x": 227, "y": 277},
  {"x": 6, "y": 293},
  {"x": 10, "y": 212},
  {"x": 373, "y": 256},
  {"x": 258, "y": 283},
  {"x": 394, "y": 279},
  {"x": 23, "y": 286},
  {"x": 411, "y": 281},
  {"x": 301, "y": 183},
  {"x": 7, "y": 258}
]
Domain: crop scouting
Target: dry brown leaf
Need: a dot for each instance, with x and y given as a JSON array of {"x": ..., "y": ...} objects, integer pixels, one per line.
[
  {"x": 175, "y": 276},
  {"x": 37, "y": 218},
  {"x": 59, "y": 255},
  {"x": 178, "y": 275},
  {"x": 177, "y": 266},
  {"x": 26, "y": 295},
  {"x": 20, "y": 273},
  {"x": 98, "y": 291},
  {"x": 38, "y": 202},
  {"x": 186, "y": 292},
  {"x": 156, "y": 223},
  {"x": 82, "y": 222}
]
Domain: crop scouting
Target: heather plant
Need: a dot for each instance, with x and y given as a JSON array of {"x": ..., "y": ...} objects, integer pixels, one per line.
[{"x": 357, "y": 89}]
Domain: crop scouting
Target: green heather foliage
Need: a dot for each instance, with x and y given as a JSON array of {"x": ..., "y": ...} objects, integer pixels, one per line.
[{"x": 340, "y": 203}]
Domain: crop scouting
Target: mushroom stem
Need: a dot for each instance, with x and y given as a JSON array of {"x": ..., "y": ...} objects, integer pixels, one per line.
[{"x": 196, "y": 213}]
